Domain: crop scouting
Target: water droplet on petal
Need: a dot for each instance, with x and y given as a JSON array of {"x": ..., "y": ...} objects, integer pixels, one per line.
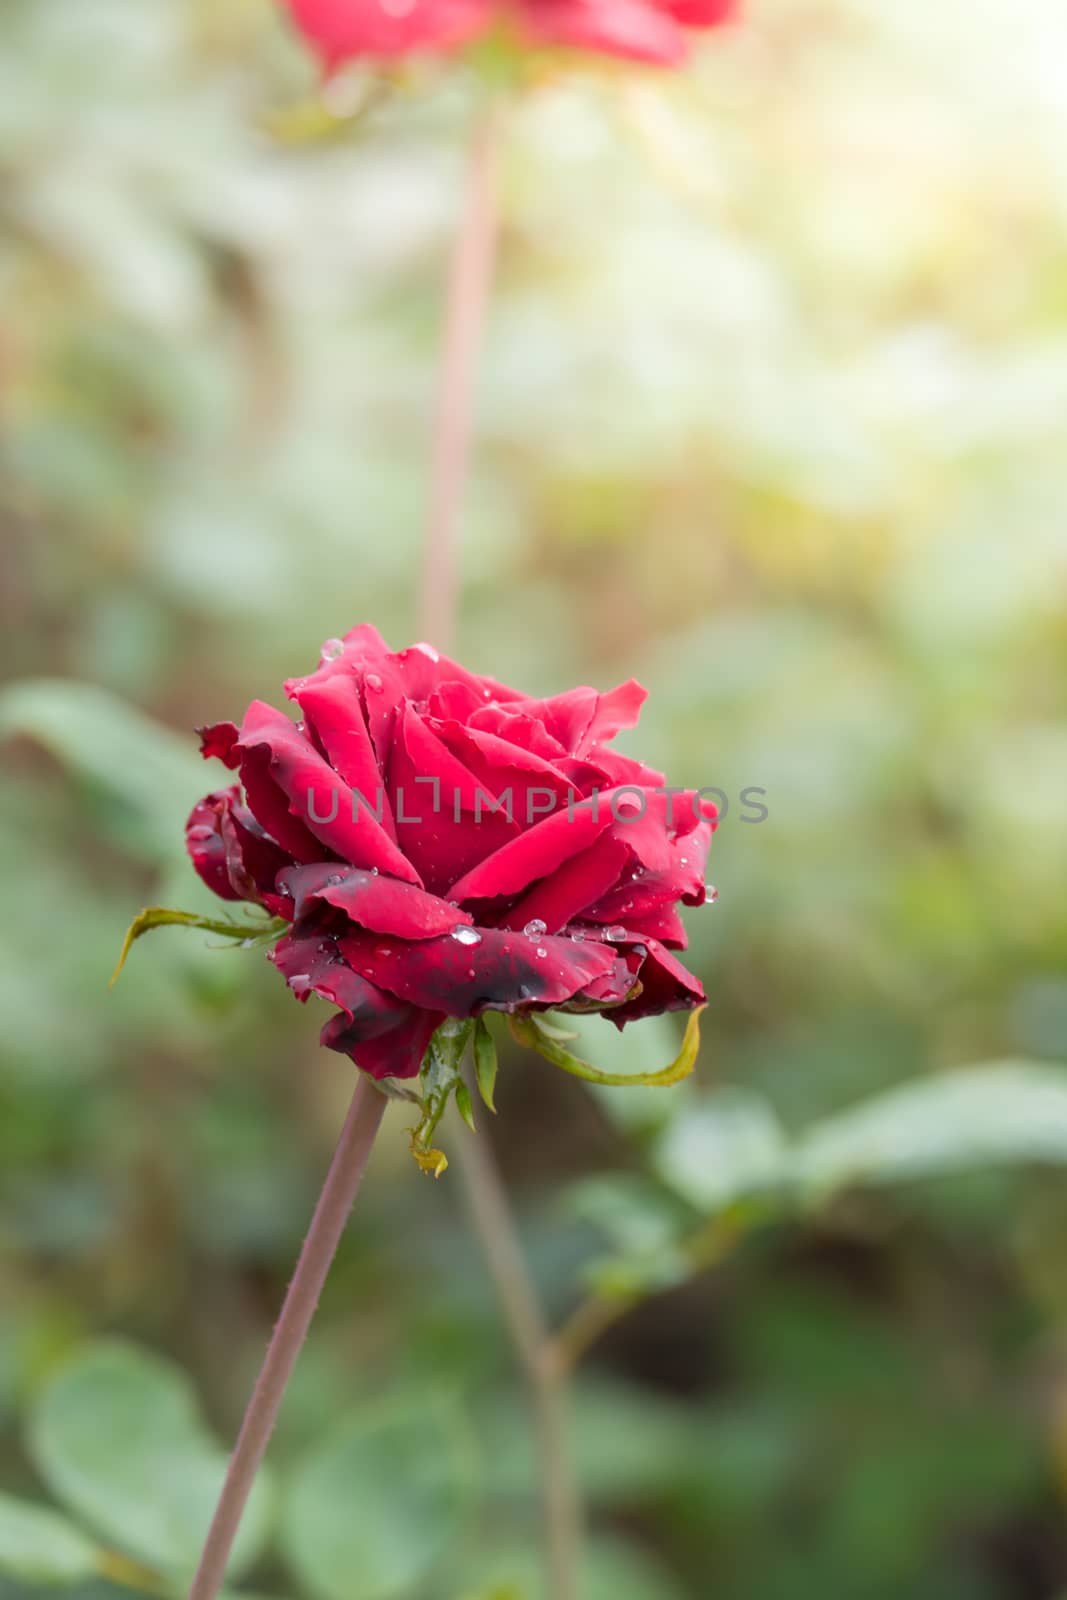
[
  {"x": 578, "y": 934},
  {"x": 300, "y": 984},
  {"x": 711, "y": 894},
  {"x": 332, "y": 649},
  {"x": 374, "y": 683},
  {"x": 684, "y": 860},
  {"x": 383, "y": 950},
  {"x": 471, "y": 972},
  {"x": 535, "y": 928},
  {"x": 466, "y": 936},
  {"x": 615, "y": 932},
  {"x": 422, "y": 647},
  {"x": 541, "y": 951}
]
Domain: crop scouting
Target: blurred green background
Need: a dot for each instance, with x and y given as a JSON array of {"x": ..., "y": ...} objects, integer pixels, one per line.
[{"x": 772, "y": 415}]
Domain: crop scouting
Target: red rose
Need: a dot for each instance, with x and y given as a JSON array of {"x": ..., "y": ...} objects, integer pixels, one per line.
[
  {"x": 642, "y": 30},
  {"x": 443, "y": 845}
]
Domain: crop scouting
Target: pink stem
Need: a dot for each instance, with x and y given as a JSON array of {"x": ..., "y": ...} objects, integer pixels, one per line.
[
  {"x": 324, "y": 1235},
  {"x": 468, "y": 291}
]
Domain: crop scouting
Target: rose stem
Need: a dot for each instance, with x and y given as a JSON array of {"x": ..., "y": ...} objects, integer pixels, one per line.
[
  {"x": 468, "y": 292},
  {"x": 469, "y": 278},
  {"x": 490, "y": 1212},
  {"x": 320, "y": 1247}
]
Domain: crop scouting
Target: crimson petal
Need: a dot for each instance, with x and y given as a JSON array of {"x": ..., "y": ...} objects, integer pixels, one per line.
[
  {"x": 384, "y": 1037},
  {"x": 372, "y": 901},
  {"x": 500, "y": 971}
]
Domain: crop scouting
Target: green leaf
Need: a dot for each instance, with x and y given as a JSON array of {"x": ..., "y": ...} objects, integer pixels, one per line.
[
  {"x": 377, "y": 1506},
  {"x": 464, "y": 1106},
  {"x": 249, "y": 933},
  {"x": 1004, "y": 1112},
  {"x": 118, "y": 1438},
  {"x": 485, "y": 1062},
  {"x": 42, "y": 1547},
  {"x": 530, "y": 1031},
  {"x": 145, "y": 776},
  {"x": 724, "y": 1147}
]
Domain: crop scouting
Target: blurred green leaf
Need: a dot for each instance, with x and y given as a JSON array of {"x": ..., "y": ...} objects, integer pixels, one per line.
[
  {"x": 1005, "y": 1112},
  {"x": 377, "y": 1506},
  {"x": 41, "y": 1546},
  {"x": 117, "y": 1436},
  {"x": 144, "y": 777}
]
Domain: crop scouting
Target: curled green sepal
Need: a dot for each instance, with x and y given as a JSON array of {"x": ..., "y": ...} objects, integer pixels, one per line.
[
  {"x": 529, "y": 1030},
  {"x": 439, "y": 1078},
  {"x": 249, "y": 933}
]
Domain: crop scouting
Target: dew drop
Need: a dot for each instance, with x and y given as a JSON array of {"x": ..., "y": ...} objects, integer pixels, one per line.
[
  {"x": 615, "y": 932},
  {"x": 541, "y": 952},
  {"x": 398, "y": 9},
  {"x": 684, "y": 860},
  {"x": 335, "y": 878},
  {"x": 535, "y": 928},
  {"x": 374, "y": 683},
  {"x": 332, "y": 649},
  {"x": 383, "y": 950},
  {"x": 578, "y": 934},
  {"x": 466, "y": 935},
  {"x": 471, "y": 972},
  {"x": 711, "y": 894}
]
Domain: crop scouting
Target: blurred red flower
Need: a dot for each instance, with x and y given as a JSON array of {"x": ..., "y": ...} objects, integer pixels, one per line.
[
  {"x": 443, "y": 845},
  {"x": 639, "y": 30}
]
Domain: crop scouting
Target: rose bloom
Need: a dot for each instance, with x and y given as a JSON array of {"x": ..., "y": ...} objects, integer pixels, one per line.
[
  {"x": 443, "y": 845},
  {"x": 641, "y": 30}
]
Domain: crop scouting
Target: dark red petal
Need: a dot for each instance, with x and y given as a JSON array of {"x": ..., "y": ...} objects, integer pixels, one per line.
[
  {"x": 217, "y": 742},
  {"x": 384, "y": 1036},
  {"x": 343, "y": 29},
  {"x": 631, "y": 29},
  {"x": 564, "y": 895},
  {"x": 617, "y": 709},
  {"x": 539, "y": 851},
  {"x": 501, "y": 972},
  {"x": 607, "y": 769},
  {"x": 665, "y": 986},
  {"x": 205, "y": 844},
  {"x": 373, "y": 901},
  {"x": 702, "y": 13},
  {"x": 254, "y": 860},
  {"x": 441, "y": 846},
  {"x": 333, "y": 707},
  {"x": 396, "y": 1053},
  {"x": 311, "y": 791},
  {"x": 499, "y": 766}
]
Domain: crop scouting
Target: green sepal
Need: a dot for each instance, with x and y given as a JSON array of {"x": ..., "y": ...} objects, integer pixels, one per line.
[
  {"x": 465, "y": 1106},
  {"x": 485, "y": 1062},
  {"x": 439, "y": 1078},
  {"x": 531, "y": 1031},
  {"x": 249, "y": 933}
]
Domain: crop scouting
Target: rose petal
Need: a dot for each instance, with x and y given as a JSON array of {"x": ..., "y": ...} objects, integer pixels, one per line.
[
  {"x": 440, "y": 844},
  {"x": 564, "y": 895},
  {"x": 501, "y": 972},
  {"x": 217, "y": 742},
  {"x": 385, "y": 1037},
  {"x": 343, "y": 29},
  {"x": 205, "y": 844},
  {"x": 332, "y": 704},
  {"x": 534, "y": 854},
  {"x": 312, "y": 791},
  {"x": 372, "y": 901},
  {"x": 626, "y": 28},
  {"x": 665, "y": 986}
]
